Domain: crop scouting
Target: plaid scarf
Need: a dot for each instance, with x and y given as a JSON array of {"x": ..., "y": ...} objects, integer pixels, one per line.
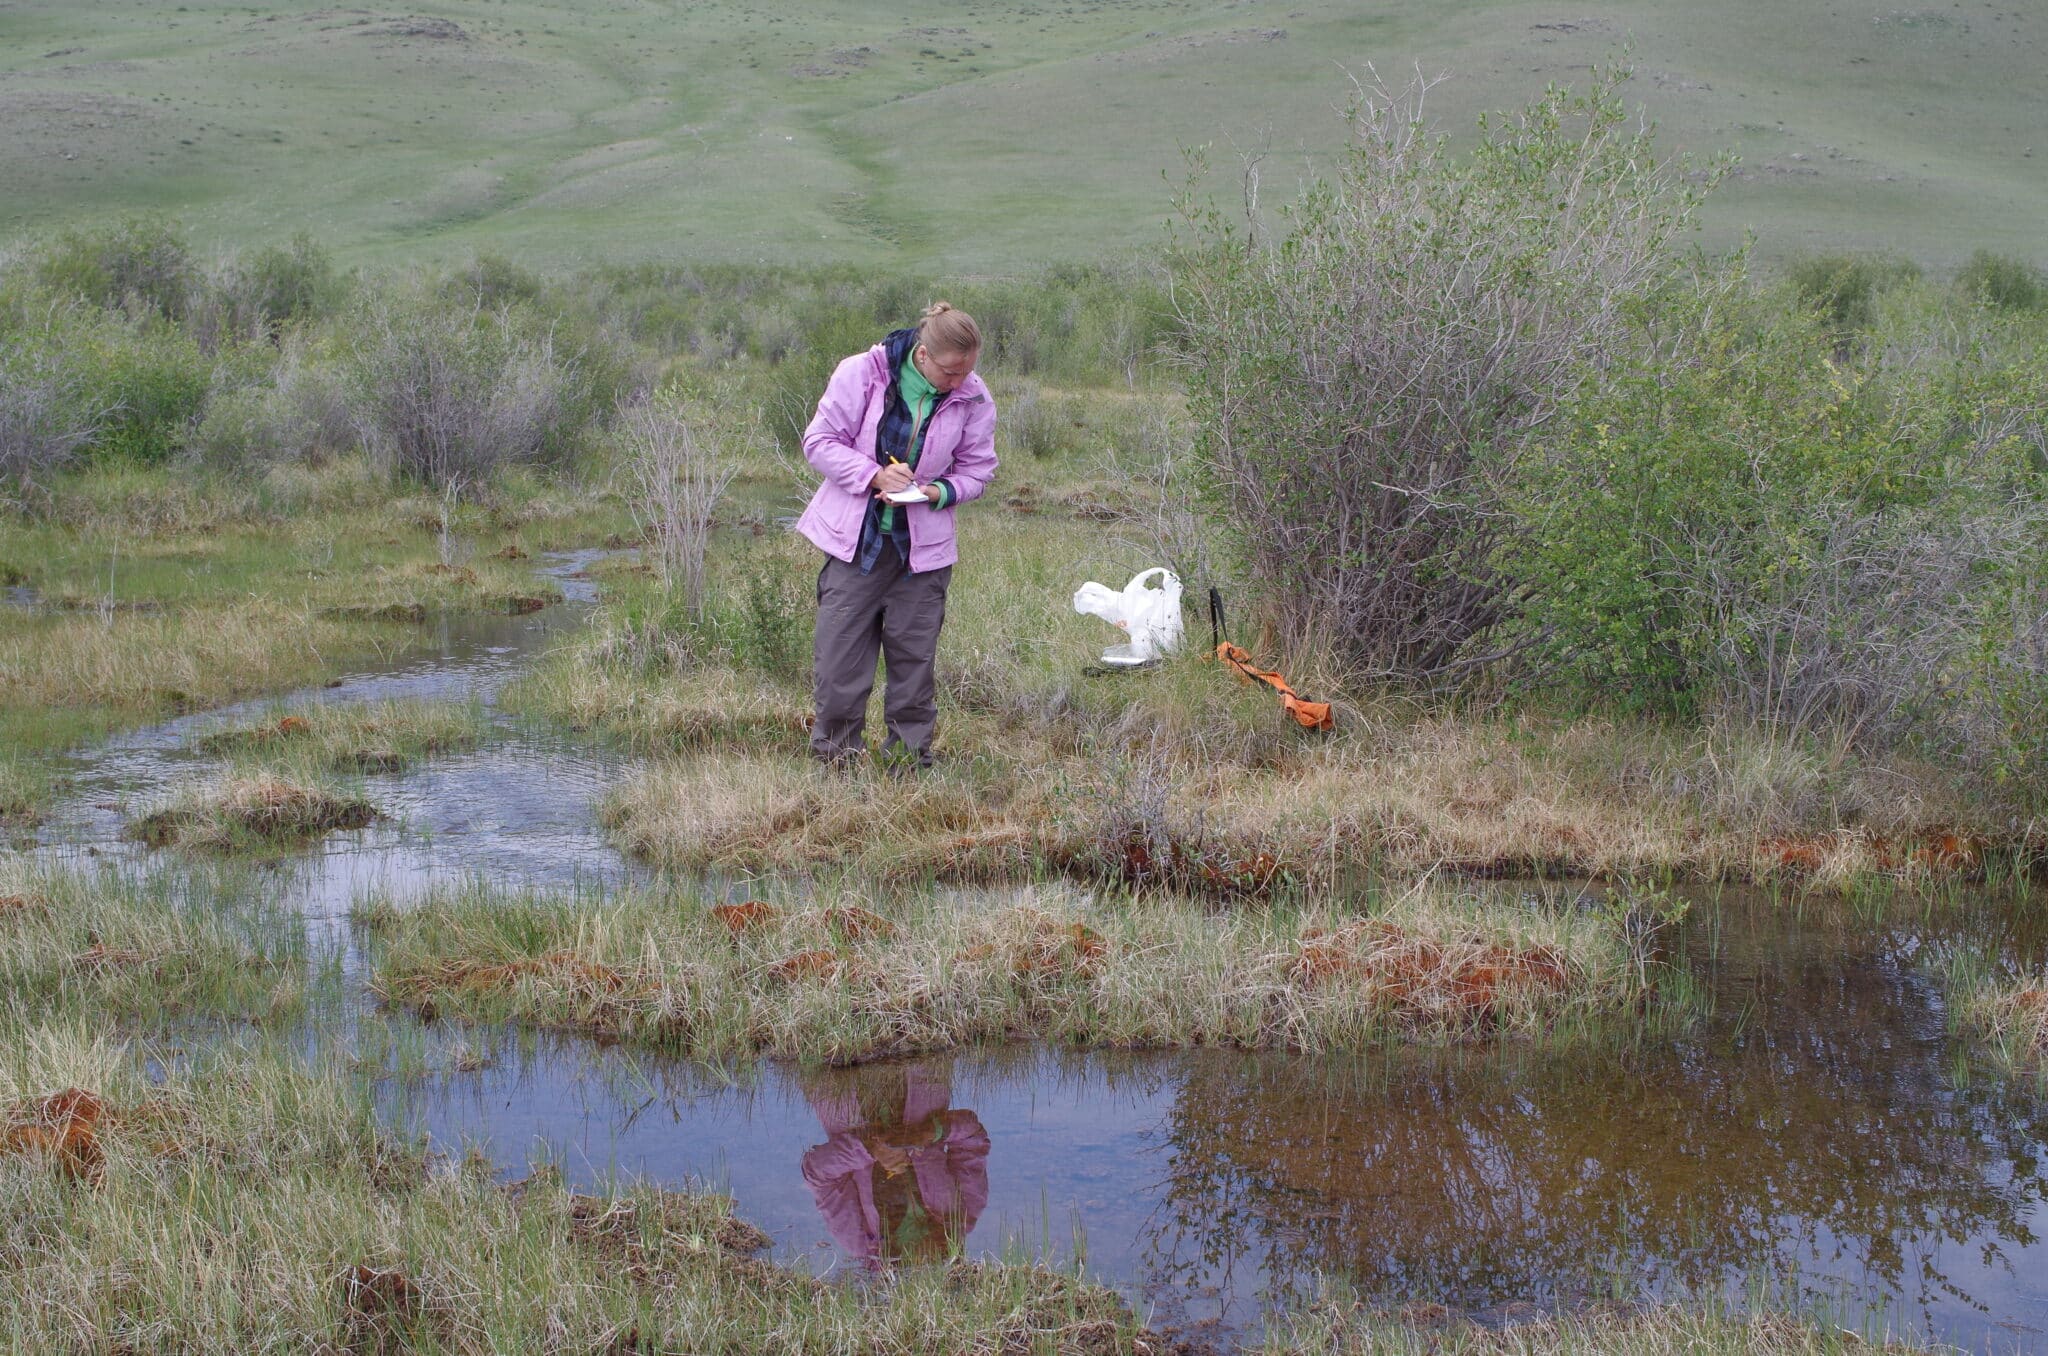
[{"x": 883, "y": 525}]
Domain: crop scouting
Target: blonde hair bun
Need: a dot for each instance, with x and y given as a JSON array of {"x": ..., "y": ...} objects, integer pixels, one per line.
[{"x": 945, "y": 329}]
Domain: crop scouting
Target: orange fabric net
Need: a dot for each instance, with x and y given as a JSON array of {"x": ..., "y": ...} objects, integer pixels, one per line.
[{"x": 1309, "y": 715}]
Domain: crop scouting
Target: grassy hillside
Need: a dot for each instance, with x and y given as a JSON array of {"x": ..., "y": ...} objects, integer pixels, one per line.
[{"x": 970, "y": 136}]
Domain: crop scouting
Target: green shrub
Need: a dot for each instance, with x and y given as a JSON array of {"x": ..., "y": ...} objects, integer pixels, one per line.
[
  {"x": 293, "y": 409},
  {"x": 1843, "y": 289},
  {"x": 47, "y": 414},
  {"x": 290, "y": 284},
  {"x": 2004, "y": 283},
  {"x": 767, "y": 624},
  {"x": 1074, "y": 324},
  {"x": 138, "y": 263},
  {"x": 1367, "y": 385},
  {"x": 795, "y": 384},
  {"x": 153, "y": 380},
  {"x": 492, "y": 282},
  {"x": 1993, "y": 709},
  {"x": 1036, "y": 425},
  {"x": 82, "y": 380},
  {"x": 1749, "y": 525},
  {"x": 682, "y": 446},
  {"x": 236, "y": 430},
  {"x": 1078, "y": 323}
]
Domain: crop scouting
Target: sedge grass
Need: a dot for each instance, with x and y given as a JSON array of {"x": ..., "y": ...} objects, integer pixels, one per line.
[
  {"x": 1054, "y": 768},
  {"x": 415, "y": 589},
  {"x": 1435, "y": 795},
  {"x": 26, "y": 789},
  {"x": 356, "y": 737},
  {"x": 775, "y": 813},
  {"x": 149, "y": 945},
  {"x": 71, "y": 676},
  {"x": 165, "y": 592},
  {"x": 251, "y": 1200},
  {"x": 930, "y": 971},
  {"x": 2004, "y": 1012},
  {"x": 712, "y": 708}
]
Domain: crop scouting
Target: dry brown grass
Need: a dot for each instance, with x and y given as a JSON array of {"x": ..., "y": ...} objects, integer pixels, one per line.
[
  {"x": 490, "y": 583},
  {"x": 1426, "y": 795},
  {"x": 63, "y": 1127},
  {"x": 768, "y": 812}
]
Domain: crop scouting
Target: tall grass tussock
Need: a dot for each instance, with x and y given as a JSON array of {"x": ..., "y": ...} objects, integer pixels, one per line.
[
  {"x": 252, "y": 809},
  {"x": 848, "y": 982},
  {"x": 2004, "y": 1013}
]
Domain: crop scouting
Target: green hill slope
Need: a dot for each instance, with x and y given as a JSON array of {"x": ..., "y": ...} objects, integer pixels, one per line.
[{"x": 976, "y": 136}]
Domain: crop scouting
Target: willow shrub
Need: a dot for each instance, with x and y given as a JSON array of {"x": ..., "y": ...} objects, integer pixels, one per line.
[
  {"x": 1745, "y": 522},
  {"x": 78, "y": 382},
  {"x": 46, "y": 411},
  {"x": 445, "y": 390},
  {"x": 1367, "y": 378},
  {"x": 2002, "y": 282},
  {"x": 139, "y": 264}
]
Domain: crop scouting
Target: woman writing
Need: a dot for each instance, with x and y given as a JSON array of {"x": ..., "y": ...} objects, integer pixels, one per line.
[{"x": 905, "y": 433}]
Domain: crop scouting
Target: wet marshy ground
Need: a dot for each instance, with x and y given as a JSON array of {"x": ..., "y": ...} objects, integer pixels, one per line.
[
  {"x": 1818, "y": 1138},
  {"x": 518, "y": 809}
]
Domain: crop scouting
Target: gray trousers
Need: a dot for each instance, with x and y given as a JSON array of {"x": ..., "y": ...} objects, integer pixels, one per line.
[{"x": 898, "y": 614}]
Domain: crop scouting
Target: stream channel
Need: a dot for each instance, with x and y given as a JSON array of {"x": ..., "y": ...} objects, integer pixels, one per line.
[{"x": 1819, "y": 1140}]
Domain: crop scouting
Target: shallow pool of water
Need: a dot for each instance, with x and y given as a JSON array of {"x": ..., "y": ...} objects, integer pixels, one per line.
[{"x": 1819, "y": 1138}]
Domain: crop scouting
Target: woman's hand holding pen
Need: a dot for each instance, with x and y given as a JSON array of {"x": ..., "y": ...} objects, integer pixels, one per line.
[
  {"x": 891, "y": 479},
  {"x": 895, "y": 478}
]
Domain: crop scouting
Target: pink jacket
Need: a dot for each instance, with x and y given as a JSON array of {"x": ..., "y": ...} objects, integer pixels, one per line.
[
  {"x": 959, "y": 444},
  {"x": 952, "y": 1174}
]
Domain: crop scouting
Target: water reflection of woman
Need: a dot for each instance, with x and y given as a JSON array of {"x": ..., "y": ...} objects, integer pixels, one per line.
[{"x": 901, "y": 1175}]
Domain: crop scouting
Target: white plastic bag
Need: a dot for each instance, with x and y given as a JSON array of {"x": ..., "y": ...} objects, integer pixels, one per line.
[{"x": 1149, "y": 615}]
